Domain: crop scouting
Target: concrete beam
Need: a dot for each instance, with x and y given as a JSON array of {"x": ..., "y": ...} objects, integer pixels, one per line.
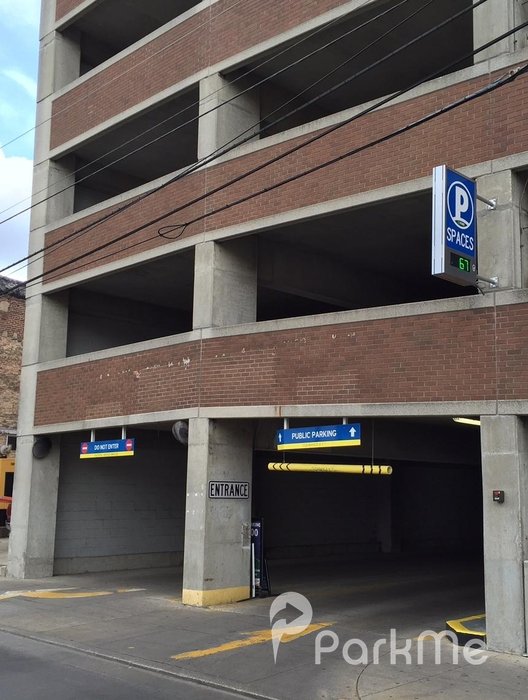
[{"x": 313, "y": 276}]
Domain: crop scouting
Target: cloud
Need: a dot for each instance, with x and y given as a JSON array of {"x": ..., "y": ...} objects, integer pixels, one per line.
[
  {"x": 20, "y": 12},
  {"x": 15, "y": 185},
  {"x": 28, "y": 84}
]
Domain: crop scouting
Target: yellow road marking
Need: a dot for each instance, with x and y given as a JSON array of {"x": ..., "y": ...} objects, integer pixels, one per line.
[
  {"x": 57, "y": 595},
  {"x": 459, "y": 626},
  {"x": 259, "y": 637},
  {"x": 18, "y": 594},
  {"x": 63, "y": 593}
]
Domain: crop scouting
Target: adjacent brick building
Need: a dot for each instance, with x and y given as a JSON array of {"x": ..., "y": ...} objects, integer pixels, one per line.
[
  {"x": 12, "y": 308},
  {"x": 213, "y": 255}
]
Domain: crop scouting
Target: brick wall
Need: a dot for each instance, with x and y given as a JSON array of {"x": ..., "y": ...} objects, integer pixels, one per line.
[
  {"x": 491, "y": 127},
  {"x": 151, "y": 69},
  {"x": 65, "y": 6},
  {"x": 434, "y": 357},
  {"x": 11, "y": 334}
]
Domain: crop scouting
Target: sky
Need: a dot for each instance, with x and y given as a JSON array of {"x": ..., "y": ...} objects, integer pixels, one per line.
[{"x": 19, "y": 20}]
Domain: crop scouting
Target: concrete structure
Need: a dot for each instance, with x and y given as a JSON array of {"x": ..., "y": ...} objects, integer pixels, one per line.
[{"x": 310, "y": 301}]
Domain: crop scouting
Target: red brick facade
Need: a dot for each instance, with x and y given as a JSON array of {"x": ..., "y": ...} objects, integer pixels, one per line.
[
  {"x": 466, "y": 355},
  {"x": 11, "y": 334},
  {"x": 193, "y": 46},
  {"x": 491, "y": 127},
  {"x": 66, "y": 6}
]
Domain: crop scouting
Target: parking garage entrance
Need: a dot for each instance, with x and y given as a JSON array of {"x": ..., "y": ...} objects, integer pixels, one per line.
[
  {"x": 121, "y": 513},
  {"x": 403, "y": 551}
]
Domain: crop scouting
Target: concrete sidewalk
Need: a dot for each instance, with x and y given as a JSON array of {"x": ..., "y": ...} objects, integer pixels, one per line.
[{"x": 137, "y": 619}]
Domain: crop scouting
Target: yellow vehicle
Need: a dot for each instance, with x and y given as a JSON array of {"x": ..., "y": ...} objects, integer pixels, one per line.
[{"x": 7, "y": 473}]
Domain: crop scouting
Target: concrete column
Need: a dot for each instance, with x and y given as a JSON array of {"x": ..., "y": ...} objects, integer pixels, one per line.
[
  {"x": 225, "y": 283},
  {"x": 32, "y": 539},
  {"x": 235, "y": 120},
  {"x": 54, "y": 191},
  {"x": 494, "y": 18},
  {"x": 505, "y": 467},
  {"x": 217, "y": 531},
  {"x": 59, "y": 65},
  {"x": 499, "y": 231}
]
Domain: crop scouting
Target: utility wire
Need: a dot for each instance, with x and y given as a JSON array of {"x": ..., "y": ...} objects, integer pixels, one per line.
[
  {"x": 236, "y": 142},
  {"x": 206, "y": 99},
  {"x": 120, "y": 75},
  {"x": 284, "y": 154},
  {"x": 500, "y": 82},
  {"x": 491, "y": 87},
  {"x": 196, "y": 103}
]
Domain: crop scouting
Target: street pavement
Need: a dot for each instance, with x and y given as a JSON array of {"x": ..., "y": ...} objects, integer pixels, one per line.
[{"x": 130, "y": 630}]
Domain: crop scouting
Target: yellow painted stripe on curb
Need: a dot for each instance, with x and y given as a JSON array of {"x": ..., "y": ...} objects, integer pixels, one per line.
[
  {"x": 216, "y": 596},
  {"x": 458, "y": 625},
  {"x": 259, "y": 637}
]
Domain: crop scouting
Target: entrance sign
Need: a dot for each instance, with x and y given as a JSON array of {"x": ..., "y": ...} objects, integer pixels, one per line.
[
  {"x": 107, "y": 448},
  {"x": 228, "y": 489},
  {"x": 454, "y": 249},
  {"x": 342, "y": 435}
]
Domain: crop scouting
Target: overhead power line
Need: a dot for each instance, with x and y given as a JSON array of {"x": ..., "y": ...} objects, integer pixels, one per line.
[
  {"x": 253, "y": 69},
  {"x": 123, "y": 73},
  {"x": 491, "y": 87},
  {"x": 236, "y": 142}
]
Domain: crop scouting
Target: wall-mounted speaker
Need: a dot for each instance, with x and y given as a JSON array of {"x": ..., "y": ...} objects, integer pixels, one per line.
[{"x": 41, "y": 447}]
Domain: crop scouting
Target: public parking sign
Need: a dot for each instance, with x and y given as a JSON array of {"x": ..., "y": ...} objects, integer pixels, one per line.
[
  {"x": 342, "y": 435},
  {"x": 454, "y": 253}
]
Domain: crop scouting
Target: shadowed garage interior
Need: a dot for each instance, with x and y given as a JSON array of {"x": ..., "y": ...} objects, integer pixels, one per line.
[
  {"x": 121, "y": 513},
  {"x": 327, "y": 534}
]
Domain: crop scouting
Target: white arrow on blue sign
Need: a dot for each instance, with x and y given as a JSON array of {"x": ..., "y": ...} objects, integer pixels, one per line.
[{"x": 342, "y": 435}]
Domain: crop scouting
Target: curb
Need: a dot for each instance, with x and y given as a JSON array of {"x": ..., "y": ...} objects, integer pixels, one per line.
[{"x": 188, "y": 677}]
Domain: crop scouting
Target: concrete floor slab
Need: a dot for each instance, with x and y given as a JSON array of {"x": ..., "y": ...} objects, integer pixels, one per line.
[{"x": 363, "y": 600}]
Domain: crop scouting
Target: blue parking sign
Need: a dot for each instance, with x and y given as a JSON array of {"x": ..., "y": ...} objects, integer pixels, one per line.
[
  {"x": 454, "y": 244},
  {"x": 461, "y": 226}
]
